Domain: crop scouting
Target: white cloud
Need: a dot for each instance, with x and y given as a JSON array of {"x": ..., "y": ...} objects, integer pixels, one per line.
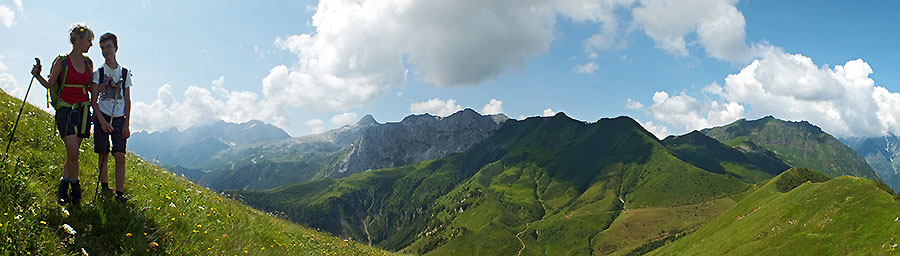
[
  {"x": 718, "y": 24},
  {"x": 435, "y": 106},
  {"x": 493, "y": 107},
  {"x": 633, "y": 104},
  {"x": 586, "y": 68},
  {"x": 450, "y": 43},
  {"x": 219, "y": 82},
  {"x": 549, "y": 112},
  {"x": 339, "y": 67},
  {"x": 843, "y": 100},
  {"x": 316, "y": 125},
  {"x": 687, "y": 113},
  {"x": 660, "y": 131},
  {"x": 345, "y": 118},
  {"x": 7, "y": 16},
  {"x": 201, "y": 106}
]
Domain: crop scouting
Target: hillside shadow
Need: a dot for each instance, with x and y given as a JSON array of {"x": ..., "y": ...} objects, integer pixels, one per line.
[{"x": 107, "y": 227}]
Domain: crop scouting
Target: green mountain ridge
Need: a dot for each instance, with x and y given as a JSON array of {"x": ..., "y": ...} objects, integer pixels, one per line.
[
  {"x": 555, "y": 183},
  {"x": 798, "y": 144},
  {"x": 709, "y": 154},
  {"x": 166, "y": 214}
]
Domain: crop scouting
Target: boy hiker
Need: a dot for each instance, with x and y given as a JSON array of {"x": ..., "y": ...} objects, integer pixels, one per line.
[{"x": 112, "y": 109}]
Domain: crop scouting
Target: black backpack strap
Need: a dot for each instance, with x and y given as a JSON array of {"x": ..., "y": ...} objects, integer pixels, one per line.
[
  {"x": 124, "y": 80},
  {"x": 100, "y": 74},
  {"x": 124, "y": 76}
]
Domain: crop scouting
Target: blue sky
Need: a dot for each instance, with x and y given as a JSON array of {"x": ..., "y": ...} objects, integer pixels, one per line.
[{"x": 690, "y": 64}]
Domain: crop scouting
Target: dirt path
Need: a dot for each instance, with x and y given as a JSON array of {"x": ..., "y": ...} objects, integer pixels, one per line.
[{"x": 520, "y": 239}]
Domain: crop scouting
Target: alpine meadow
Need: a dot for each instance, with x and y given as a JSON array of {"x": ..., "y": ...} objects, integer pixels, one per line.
[{"x": 450, "y": 127}]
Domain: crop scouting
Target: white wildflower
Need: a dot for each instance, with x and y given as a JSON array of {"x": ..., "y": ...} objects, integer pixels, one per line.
[
  {"x": 172, "y": 205},
  {"x": 65, "y": 213},
  {"x": 69, "y": 229},
  {"x": 84, "y": 252}
]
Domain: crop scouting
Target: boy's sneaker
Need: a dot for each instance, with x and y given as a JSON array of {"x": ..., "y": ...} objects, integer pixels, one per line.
[
  {"x": 76, "y": 192},
  {"x": 62, "y": 194}
]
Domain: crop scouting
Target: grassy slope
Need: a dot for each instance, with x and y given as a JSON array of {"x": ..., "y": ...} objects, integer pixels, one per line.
[
  {"x": 166, "y": 213},
  {"x": 559, "y": 177},
  {"x": 841, "y": 216},
  {"x": 798, "y": 144},
  {"x": 711, "y": 155}
]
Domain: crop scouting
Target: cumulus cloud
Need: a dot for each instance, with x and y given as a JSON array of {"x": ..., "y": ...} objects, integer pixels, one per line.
[
  {"x": 493, "y": 107},
  {"x": 435, "y": 106},
  {"x": 345, "y": 118},
  {"x": 586, "y": 68},
  {"x": 452, "y": 43},
  {"x": 843, "y": 100},
  {"x": 687, "y": 113},
  {"x": 549, "y": 112},
  {"x": 201, "y": 106},
  {"x": 7, "y": 16},
  {"x": 718, "y": 24},
  {"x": 339, "y": 67},
  {"x": 633, "y": 104},
  {"x": 660, "y": 131},
  {"x": 316, "y": 125}
]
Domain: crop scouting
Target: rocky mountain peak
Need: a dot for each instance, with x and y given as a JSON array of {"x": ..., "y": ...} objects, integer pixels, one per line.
[{"x": 367, "y": 120}]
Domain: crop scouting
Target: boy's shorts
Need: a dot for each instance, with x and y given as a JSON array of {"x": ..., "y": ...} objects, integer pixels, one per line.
[
  {"x": 101, "y": 139},
  {"x": 69, "y": 121}
]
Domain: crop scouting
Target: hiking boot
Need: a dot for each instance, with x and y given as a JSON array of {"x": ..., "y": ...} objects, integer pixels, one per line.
[
  {"x": 76, "y": 193},
  {"x": 120, "y": 197},
  {"x": 62, "y": 194},
  {"x": 106, "y": 191}
]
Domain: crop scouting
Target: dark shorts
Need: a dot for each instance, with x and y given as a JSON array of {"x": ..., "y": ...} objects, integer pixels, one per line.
[
  {"x": 69, "y": 121},
  {"x": 101, "y": 139}
]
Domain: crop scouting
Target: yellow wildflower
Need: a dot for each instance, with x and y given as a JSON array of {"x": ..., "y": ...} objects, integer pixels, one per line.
[{"x": 128, "y": 234}]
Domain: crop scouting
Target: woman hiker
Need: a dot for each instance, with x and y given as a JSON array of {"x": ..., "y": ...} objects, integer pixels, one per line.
[{"x": 72, "y": 73}]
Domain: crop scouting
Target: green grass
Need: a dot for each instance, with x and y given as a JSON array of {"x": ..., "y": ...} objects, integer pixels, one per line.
[
  {"x": 841, "y": 216},
  {"x": 166, "y": 213}
]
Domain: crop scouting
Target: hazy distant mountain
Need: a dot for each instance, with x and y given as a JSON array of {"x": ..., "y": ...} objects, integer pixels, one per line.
[
  {"x": 798, "y": 144},
  {"x": 192, "y": 147},
  {"x": 347, "y": 150},
  {"x": 883, "y": 154}
]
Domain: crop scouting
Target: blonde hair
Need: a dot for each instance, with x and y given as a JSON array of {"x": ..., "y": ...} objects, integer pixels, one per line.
[{"x": 79, "y": 31}]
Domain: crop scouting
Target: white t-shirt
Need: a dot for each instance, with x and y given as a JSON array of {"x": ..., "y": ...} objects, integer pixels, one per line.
[{"x": 112, "y": 97}]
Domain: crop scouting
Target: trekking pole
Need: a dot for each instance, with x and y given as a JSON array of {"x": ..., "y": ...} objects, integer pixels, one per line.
[{"x": 24, "y": 100}]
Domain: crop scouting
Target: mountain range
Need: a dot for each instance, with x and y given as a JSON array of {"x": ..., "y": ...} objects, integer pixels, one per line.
[
  {"x": 882, "y": 154},
  {"x": 488, "y": 185},
  {"x": 192, "y": 147},
  {"x": 557, "y": 186},
  {"x": 271, "y": 160}
]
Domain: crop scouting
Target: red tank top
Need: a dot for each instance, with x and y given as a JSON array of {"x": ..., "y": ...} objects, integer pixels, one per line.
[{"x": 74, "y": 95}]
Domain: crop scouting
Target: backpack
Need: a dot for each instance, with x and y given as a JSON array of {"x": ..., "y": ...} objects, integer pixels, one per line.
[
  {"x": 124, "y": 78},
  {"x": 56, "y": 89}
]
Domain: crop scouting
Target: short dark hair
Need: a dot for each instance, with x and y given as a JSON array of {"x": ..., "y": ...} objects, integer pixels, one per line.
[{"x": 110, "y": 36}]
